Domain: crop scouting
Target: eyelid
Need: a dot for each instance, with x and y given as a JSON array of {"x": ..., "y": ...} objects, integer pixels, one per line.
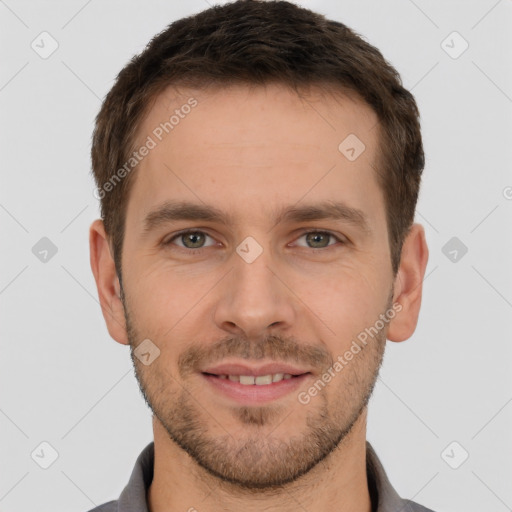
[
  {"x": 301, "y": 233},
  {"x": 340, "y": 239},
  {"x": 186, "y": 232}
]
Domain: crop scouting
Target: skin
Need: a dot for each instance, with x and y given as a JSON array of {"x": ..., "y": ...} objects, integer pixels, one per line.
[{"x": 249, "y": 152}]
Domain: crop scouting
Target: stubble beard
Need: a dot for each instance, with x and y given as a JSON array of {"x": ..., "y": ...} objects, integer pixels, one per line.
[{"x": 259, "y": 461}]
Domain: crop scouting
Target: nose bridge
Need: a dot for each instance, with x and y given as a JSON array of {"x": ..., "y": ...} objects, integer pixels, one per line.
[
  {"x": 252, "y": 269},
  {"x": 253, "y": 298}
]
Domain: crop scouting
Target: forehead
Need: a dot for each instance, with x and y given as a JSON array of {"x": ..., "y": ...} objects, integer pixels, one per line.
[{"x": 248, "y": 150}]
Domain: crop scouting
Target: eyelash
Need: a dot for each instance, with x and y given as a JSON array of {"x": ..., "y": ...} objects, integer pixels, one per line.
[{"x": 199, "y": 250}]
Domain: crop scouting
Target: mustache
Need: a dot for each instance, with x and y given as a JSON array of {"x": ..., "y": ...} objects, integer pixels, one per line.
[{"x": 284, "y": 349}]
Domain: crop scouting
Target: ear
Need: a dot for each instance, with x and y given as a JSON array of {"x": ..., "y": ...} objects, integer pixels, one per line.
[
  {"x": 408, "y": 284},
  {"x": 107, "y": 282}
]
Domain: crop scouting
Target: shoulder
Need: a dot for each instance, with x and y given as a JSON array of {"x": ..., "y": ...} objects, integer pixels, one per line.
[
  {"x": 411, "y": 506},
  {"x": 110, "y": 506}
]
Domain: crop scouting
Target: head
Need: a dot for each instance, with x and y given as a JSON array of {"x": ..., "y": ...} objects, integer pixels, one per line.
[{"x": 249, "y": 124}]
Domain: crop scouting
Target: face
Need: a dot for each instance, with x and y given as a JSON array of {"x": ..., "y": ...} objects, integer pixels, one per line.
[{"x": 275, "y": 283}]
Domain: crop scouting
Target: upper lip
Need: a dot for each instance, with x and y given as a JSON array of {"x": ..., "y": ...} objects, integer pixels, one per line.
[{"x": 256, "y": 371}]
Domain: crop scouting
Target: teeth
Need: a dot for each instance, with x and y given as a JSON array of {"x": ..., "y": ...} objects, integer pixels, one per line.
[{"x": 261, "y": 380}]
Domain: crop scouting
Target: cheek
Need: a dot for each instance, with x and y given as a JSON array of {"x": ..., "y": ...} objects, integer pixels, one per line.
[
  {"x": 164, "y": 293},
  {"x": 165, "y": 305},
  {"x": 346, "y": 302}
]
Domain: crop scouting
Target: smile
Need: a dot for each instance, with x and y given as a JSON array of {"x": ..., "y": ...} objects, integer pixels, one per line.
[
  {"x": 260, "y": 380},
  {"x": 251, "y": 389}
]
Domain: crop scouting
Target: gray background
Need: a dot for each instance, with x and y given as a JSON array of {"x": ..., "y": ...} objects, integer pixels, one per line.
[{"x": 64, "y": 381}]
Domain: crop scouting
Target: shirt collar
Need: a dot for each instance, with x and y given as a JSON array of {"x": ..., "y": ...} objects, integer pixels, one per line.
[{"x": 133, "y": 497}]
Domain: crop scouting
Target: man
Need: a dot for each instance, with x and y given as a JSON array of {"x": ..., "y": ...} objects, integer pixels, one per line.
[{"x": 258, "y": 168}]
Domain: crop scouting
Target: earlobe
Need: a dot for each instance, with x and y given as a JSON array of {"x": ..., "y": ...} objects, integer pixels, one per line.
[
  {"x": 409, "y": 284},
  {"x": 107, "y": 282}
]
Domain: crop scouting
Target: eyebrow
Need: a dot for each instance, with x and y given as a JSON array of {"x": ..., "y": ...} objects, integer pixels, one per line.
[{"x": 170, "y": 211}]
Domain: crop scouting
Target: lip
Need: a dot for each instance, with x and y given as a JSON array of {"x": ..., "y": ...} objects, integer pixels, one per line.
[
  {"x": 255, "y": 371},
  {"x": 254, "y": 394}
]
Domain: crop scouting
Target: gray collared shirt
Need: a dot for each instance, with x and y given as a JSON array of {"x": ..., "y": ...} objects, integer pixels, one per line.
[{"x": 133, "y": 498}]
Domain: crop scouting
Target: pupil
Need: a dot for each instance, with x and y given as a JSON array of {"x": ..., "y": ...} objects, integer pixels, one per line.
[
  {"x": 315, "y": 237},
  {"x": 192, "y": 236}
]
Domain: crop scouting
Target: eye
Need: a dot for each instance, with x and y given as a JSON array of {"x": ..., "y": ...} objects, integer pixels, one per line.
[
  {"x": 191, "y": 239},
  {"x": 318, "y": 238}
]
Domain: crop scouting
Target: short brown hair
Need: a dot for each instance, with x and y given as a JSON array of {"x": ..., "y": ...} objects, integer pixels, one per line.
[{"x": 258, "y": 42}]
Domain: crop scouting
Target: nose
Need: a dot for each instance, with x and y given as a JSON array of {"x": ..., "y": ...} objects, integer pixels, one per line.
[{"x": 254, "y": 299}]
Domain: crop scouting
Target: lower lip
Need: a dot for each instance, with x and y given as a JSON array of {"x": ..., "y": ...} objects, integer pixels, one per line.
[{"x": 254, "y": 394}]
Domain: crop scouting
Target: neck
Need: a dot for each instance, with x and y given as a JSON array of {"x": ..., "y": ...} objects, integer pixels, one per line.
[{"x": 338, "y": 483}]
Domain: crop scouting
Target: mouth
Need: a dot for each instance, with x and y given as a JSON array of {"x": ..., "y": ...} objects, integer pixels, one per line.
[
  {"x": 253, "y": 385},
  {"x": 252, "y": 380}
]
